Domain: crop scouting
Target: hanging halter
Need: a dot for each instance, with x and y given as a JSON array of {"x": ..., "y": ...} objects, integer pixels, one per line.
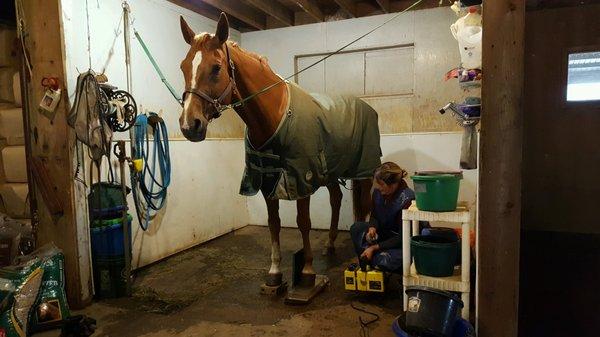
[{"x": 217, "y": 103}]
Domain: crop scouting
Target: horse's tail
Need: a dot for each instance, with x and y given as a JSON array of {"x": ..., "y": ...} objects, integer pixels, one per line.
[{"x": 361, "y": 198}]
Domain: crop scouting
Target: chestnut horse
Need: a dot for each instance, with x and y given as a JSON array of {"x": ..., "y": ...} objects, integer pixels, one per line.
[{"x": 218, "y": 72}]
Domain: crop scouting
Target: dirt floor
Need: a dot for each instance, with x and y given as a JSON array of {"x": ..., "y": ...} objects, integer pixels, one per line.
[{"x": 213, "y": 290}]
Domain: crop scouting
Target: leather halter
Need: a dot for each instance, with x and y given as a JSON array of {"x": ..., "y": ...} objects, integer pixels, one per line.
[{"x": 217, "y": 103}]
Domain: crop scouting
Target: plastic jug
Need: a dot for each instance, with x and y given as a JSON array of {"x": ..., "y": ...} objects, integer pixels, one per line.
[
  {"x": 469, "y": 42},
  {"x": 468, "y": 31}
]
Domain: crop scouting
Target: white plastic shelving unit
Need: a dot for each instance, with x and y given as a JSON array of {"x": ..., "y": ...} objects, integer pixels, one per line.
[{"x": 460, "y": 281}]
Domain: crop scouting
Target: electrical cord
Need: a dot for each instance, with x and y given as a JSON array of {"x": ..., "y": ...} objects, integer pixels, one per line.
[{"x": 364, "y": 324}]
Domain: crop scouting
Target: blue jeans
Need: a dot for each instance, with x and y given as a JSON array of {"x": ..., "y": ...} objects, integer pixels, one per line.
[{"x": 388, "y": 260}]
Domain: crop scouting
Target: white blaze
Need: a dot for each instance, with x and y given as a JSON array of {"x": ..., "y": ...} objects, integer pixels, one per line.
[
  {"x": 195, "y": 65},
  {"x": 188, "y": 100},
  {"x": 275, "y": 258}
]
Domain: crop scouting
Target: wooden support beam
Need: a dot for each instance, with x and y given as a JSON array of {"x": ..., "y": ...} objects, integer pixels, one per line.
[
  {"x": 274, "y": 9},
  {"x": 500, "y": 169},
  {"x": 47, "y": 187},
  {"x": 54, "y": 141},
  {"x": 238, "y": 9},
  {"x": 348, "y": 6},
  {"x": 384, "y": 4},
  {"x": 310, "y": 7}
]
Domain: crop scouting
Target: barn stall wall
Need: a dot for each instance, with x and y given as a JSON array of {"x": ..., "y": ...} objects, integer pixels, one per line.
[
  {"x": 203, "y": 176},
  {"x": 419, "y": 49},
  {"x": 203, "y": 202}
]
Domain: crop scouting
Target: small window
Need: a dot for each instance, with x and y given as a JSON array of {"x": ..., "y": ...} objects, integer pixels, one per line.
[{"x": 583, "y": 82}]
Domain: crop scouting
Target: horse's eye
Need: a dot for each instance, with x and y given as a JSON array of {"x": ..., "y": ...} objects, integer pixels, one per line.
[{"x": 216, "y": 69}]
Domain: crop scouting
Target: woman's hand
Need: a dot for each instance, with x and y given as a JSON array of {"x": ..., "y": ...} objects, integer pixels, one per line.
[
  {"x": 368, "y": 253},
  {"x": 372, "y": 234}
]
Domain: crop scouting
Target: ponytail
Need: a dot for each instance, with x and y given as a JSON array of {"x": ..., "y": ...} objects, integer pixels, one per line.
[{"x": 390, "y": 173}]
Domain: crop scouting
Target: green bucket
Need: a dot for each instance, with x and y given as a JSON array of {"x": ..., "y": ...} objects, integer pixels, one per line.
[
  {"x": 434, "y": 255},
  {"x": 437, "y": 191}
]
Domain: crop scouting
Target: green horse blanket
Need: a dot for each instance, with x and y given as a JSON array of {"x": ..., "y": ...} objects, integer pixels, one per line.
[{"x": 320, "y": 140}]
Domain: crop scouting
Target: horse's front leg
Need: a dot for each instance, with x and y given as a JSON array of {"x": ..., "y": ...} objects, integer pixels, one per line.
[
  {"x": 335, "y": 200},
  {"x": 274, "y": 277},
  {"x": 303, "y": 220}
]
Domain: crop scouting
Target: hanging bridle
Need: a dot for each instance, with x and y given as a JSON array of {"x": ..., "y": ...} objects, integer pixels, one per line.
[{"x": 217, "y": 103}]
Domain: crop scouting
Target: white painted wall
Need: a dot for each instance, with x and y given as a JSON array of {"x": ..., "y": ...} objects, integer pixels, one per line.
[
  {"x": 413, "y": 152},
  {"x": 435, "y": 52},
  {"x": 203, "y": 200}
]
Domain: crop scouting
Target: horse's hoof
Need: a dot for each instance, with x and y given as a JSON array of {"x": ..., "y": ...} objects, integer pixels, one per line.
[
  {"x": 307, "y": 280},
  {"x": 273, "y": 280},
  {"x": 328, "y": 251}
]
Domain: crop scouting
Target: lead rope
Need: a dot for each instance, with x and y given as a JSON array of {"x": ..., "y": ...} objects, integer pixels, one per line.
[
  {"x": 242, "y": 101},
  {"x": 156, "y": 67}
]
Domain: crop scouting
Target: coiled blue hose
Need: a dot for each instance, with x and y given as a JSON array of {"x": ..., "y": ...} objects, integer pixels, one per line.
[{"x": 149, "y": 189}]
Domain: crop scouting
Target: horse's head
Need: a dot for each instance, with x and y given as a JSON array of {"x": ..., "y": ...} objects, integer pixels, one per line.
[{"x": 208, "y": 79}]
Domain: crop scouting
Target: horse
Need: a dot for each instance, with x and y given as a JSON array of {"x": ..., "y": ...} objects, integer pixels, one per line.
[{"x": 218, "y": 72}]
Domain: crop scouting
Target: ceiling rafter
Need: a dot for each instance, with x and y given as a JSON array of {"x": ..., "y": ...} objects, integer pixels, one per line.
[
  {"x": 384, "y": 4},
  {"x": 263, "y": 14},
  {"x": 197, "y": 7},
  {"x": 240, "y": 10},
  {"x": 274, "y": 9},
  {"x": 310, "y": 7},
  {"x": 348, "y": 6}
]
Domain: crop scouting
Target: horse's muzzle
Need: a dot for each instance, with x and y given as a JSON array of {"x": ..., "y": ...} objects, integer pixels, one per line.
[{"x": 195, "y": 132}]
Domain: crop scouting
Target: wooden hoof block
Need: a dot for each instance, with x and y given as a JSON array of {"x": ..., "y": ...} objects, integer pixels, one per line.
[
  {"x": 303, "y": 295},
  {"x": 273, "y": 290}
]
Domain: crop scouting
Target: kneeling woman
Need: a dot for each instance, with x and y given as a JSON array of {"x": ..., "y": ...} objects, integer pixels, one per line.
[{"x": 379, "y": 241}]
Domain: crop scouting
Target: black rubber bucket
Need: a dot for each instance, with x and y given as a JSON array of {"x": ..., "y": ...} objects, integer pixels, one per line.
[{"x": 431, "y": 311}]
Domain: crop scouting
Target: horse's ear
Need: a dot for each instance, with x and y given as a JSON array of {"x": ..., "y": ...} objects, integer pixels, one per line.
[
  {"x": 222, "y": 33},
  {"x": 188, "y": 33}
]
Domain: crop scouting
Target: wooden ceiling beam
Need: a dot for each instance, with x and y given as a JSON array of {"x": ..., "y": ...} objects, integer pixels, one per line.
[
  {"x": 243, "y": 12},
  {"x": 310, "y": 7},
  {"x": 384, "y": 4},
  {"x": 348, "y": 6},
  {"x": 274, "y": 9},
  {"x": 197, "y": 7}
]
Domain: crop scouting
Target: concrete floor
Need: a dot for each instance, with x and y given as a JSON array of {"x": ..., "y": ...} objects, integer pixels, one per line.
[{"x": 213, "y": 290}]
